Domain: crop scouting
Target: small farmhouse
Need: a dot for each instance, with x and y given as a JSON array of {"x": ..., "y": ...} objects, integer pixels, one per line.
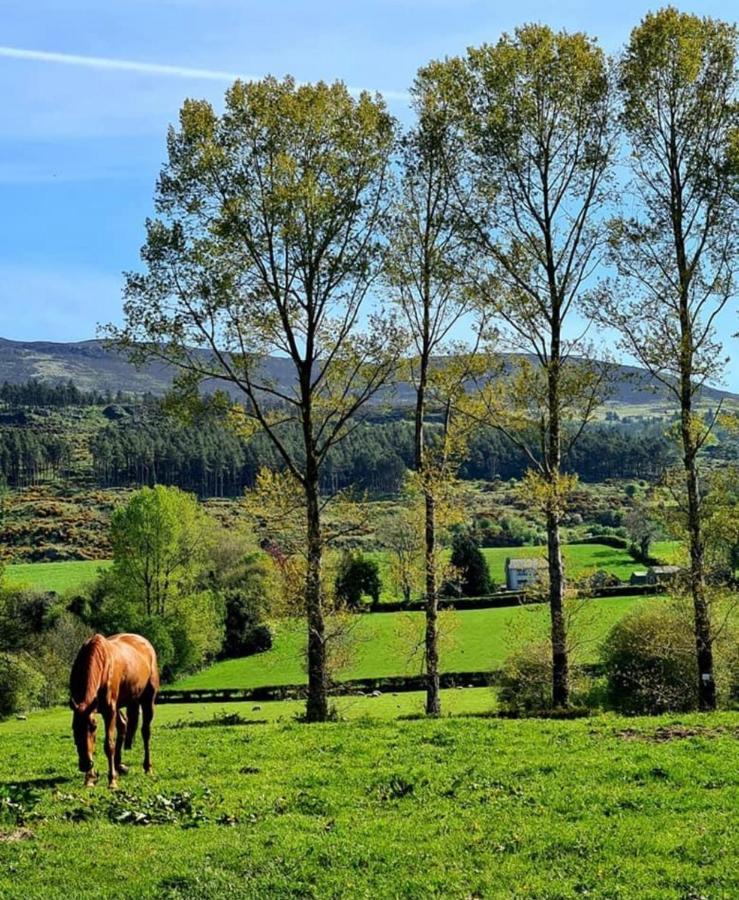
[
  {"x": 661, "y": 574},
  {"x": 520, "y": 572}
]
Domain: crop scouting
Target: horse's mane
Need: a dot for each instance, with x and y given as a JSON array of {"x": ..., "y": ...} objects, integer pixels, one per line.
[{"x": 88, "y": 672}]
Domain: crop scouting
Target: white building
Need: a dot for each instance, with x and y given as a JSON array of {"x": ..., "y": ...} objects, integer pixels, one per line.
[{"x": 523, "y": 571}]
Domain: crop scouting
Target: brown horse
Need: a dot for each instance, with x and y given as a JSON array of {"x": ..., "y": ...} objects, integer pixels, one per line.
[{"x": 108, "y": 675}]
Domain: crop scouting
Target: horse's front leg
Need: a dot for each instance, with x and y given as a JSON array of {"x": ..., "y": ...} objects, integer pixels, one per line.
[
  {"x": 110, "y": 716},
  {"x": 121, "y": 727}
]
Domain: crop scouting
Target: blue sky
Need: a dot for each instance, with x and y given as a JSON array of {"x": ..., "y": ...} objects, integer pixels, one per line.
[{"x": 82, "y": 140}]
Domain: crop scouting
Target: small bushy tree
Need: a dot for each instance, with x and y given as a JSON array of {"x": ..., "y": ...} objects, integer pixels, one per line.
[
  {"x": 358, "y": 577},
  {"x": 471, "y": 566},
  {"x": 21, "y": 685},
  {"x": 649, "y": 661},
  {"x": 158, "y": 585}
]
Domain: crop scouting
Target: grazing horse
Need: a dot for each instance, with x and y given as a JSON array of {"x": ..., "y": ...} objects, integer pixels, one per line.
[{"x": 108, "y": 675}]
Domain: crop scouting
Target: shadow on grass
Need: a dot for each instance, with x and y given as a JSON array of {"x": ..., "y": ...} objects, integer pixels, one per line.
[{"x": 39, "y": 783}]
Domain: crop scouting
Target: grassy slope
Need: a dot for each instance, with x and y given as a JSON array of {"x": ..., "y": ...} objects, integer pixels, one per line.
[
  {"x": 69, "y": 575},
  {"x": 479, "y": 640},
  {"x": 53, "y": 576},
  {"x": 579, "y": 559},
  {"x": 457, "y": 808}
]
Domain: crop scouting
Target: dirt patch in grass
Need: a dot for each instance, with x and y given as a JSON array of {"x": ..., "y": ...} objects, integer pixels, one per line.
[
  {"x": 675, "y": 733},
  {"x": 15, "y": 836}
]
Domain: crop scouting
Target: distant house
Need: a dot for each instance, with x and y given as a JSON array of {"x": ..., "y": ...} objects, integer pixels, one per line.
[
  {"x": 639, "y": 577},
  {"x": 661, "y": 574},
  {"x": 523, "y": 571}
]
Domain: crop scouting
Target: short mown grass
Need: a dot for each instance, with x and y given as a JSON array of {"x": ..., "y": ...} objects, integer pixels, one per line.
[
  {"x": 377, "y": 807},
  {"x": 382, "y": 644},
  {"x": 61, "y": 577}
]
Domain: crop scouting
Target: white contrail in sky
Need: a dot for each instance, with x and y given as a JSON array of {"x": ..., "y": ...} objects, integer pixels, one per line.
[{"x": 145, "y": 68}]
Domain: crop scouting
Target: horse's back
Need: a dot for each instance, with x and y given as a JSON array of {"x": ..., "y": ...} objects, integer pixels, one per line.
[{"x": 138, "y": 662}]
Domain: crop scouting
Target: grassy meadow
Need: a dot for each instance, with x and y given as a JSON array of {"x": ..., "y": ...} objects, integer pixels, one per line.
[
  {"x": 260, "y": 806},
  {"x": 61, "y": 577},
  {"x": 69, "y": 575},
  {"x": 382, "y": 644}
]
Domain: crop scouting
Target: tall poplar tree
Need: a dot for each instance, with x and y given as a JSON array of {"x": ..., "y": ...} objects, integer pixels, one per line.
[
  {"x": 266, "y": 243},
  {"x": 676, "y": 246},
  {"x": 535, "y": 109},
  {"x": 428, "y": 270}
]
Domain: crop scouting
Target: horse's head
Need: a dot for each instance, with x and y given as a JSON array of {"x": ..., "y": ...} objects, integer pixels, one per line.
[{"x": 84, "y": 727}]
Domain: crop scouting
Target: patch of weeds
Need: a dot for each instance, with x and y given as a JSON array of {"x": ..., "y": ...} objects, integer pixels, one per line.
[
  {"x": 440, "y": 739},
  {"x": 176, "y": 809},
  {"x": 17, "y": 802},
  {"x": 310, "y": 805},
  {"x": 395, "y": 788},
  {"x": 218, "y": 720}
]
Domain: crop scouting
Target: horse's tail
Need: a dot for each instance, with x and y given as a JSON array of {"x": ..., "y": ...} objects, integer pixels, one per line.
[{"x": 133, "y": 724}]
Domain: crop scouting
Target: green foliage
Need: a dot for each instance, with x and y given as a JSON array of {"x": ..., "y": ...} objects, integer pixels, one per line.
[
  {"x": 159, "y": 548},
  {"x": 468, "y": 561},
  {"x": 158, "y": 583},
  {"x": 525, "y": 681},
  {"x": 358, "y": 577},
  {"x": 21, "y": 685},
  {"x": 25, "y": 614},
  {"x": 649, "y": 661}
]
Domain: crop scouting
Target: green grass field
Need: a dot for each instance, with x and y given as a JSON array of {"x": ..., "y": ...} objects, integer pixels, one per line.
[
  {"x": 579, "y": 560},
  {"x": 373, "y": 807},
  {"x": 476, "y": 640},
  {"x": 71, "y": 574},
  {"x": 54, "y": 576}
]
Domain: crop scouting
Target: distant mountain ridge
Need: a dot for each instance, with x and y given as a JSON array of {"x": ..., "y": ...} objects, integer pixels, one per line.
[{"x": 92, "y": 367}]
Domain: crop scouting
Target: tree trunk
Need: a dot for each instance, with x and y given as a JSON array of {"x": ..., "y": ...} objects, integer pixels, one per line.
[
  {"x": 433, "y": 698},
  {"x": 701, "y": 612},
  {"x": 317, "y": 705},
  {"x": 560, "y": 665}
]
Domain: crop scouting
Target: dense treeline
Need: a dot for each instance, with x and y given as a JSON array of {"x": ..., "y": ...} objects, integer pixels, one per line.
[
  {"x": 211, "y": 461},
  {"x": 375, "y": 457},
  {"x": 44, "y": 394},
  {"x": 28, "y": 456},
  {"x": 603, "y": 451}
]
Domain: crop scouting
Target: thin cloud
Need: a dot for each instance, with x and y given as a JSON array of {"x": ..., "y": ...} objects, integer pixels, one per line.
[{"x": 145, "y": 68}]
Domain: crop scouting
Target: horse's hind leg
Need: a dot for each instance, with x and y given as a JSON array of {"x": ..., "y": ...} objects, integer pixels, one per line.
[
  {"x": 147, "y": 714},
  {"x": 121, "y": 725}
]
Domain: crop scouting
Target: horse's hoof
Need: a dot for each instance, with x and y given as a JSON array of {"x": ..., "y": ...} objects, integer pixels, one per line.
[
  {"x": 90, "y": 779},
  {"x": 122, "y": 770},
  {"x": 148, "y": 770},
  {"x": 113, "y": 785}
]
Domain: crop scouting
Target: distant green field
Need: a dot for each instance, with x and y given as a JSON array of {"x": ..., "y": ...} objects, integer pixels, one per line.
[
  {"x": 579, "y": 559},
  {"x": 69, "y": 575},
  {"x": 54, "y": 576},
  {"x": 477, "y": 641}
]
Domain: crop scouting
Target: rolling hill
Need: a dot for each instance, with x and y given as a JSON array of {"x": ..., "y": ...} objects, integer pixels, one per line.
[{"x": 91, "y": 366}]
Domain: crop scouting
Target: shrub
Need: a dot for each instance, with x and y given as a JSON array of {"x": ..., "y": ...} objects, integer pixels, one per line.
[
  {"x": 526, "y": 679},
  {"x": 525, "y": 683},
  {"x": 469, "y": 562},
  {"x": 243, "y": 632},
  {"x": 21, "y": 686},
  {"x": 649, "y": 661},
  {"x": 358, "y": 577}
]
